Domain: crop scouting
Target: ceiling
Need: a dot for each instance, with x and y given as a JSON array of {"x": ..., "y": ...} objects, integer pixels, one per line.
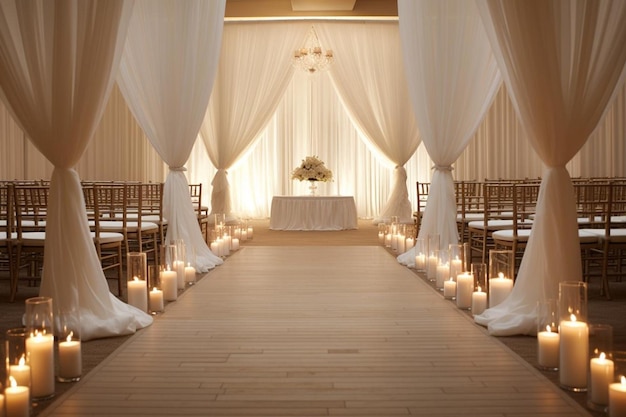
[{"x": 293, "y": 9}]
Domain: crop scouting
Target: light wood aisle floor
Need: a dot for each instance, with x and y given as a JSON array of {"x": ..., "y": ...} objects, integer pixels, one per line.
[{"x": 313, "y": 331}]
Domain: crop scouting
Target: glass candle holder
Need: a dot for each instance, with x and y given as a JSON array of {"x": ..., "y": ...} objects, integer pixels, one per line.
[
  {"x": 179, "y": 263},
  {"x": 601, "y": 366},
  {"x": 443, "y": 268},
  {"x": 465, "y": 298},
  {"x": 432, "y": 260},
  {"x": 167, "y": 275},
  {"x": 17, "y": 360},
  {"x": 548, "y": 338},
  {"x": 457, "y": 262},
  {"x": 501, "y": 266},
  {"x": 190, "y": 269},
  {"x": 617, "y": 397},
  {"x": 421, "y": 250},
  {"x": 155, "y": 295},
  {"x": 479, "y": 294},
  {"x": 137, "y": 280},
  {"x": 574, "y": 333},
  {"x": 70, "y": 362},
  {"x": 39, "y": 322},
  {"x": 382, "y": 229}
]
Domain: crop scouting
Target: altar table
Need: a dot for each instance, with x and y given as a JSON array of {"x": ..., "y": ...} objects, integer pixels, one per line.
[{"x": 313, "y": 213}]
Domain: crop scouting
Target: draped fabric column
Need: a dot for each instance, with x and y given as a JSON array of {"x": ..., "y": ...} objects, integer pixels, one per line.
[
  {"x": 166, "y": 76},
  {"x": 253, "y": 74},
  {"x": 561, "y": 76},
  {"x": 57, "y": 65},
  {"x": 368, "y": 74},
  {"x": 453, "y": 78}
]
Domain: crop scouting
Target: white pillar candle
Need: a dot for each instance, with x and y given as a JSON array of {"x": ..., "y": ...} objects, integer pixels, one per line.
[
  {"x": 479, "y": 302},
  {"x": 601, "y": 375},
  {"x": 401, "y": 243},
  {"x": 70, "y": 359},
  {"x": 449, "y": 289},
  {"x": 443, "y": 273},
  {"x": 17, "y": 399},
  {"x": 156, "y": 300},
  {"x": 215, "y": 248},
  {"x": 394, "y": 242},
  {"x": 244, "y": 235},
  {"x": 138, "y": 294},
  {"x": 227, "y": 242},
  {"x": 235, "y": 243},
  {"x": 179, "y": 267},
  {"x": 499, "y": 289},
  {"x": 464, "y": 289},
  {"x": 548, "y": 348},
  {"x": 40, "y": 348},
  {"x": 420, "y": 261},
  {"x": 190, "y": 274},
  {"x": 169, "y": 285},
  {"x": 388, "y": 240},
  {"x": 21, "y": 373},
  {"x": 409, "y": 243},
  {"x": 573, "y": 353},
  {"x": 250, "y": 232},
  {"x": 617, "y": 398},
  {"x": 2, "y": 405},
  {"x": 381, "y": 237}
]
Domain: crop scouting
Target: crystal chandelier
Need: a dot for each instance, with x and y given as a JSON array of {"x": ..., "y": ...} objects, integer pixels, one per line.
[{"x": 311, "y": 58}]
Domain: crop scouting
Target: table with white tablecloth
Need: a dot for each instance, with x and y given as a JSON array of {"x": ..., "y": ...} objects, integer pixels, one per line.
[{"x": 313, "y": 213}]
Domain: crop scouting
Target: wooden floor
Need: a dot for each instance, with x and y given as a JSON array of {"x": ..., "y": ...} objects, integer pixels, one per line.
[{"x": 313, "y": 331}]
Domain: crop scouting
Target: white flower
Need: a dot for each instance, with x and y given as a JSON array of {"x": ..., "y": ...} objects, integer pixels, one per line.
[{"x": 312, "y": 169}]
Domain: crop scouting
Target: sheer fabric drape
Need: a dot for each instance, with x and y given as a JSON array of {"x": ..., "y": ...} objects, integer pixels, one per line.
[
  {"x": 166, "y": 76},
  {"x": 57, "y": 83},
  {"x": 561, "y": 76},
  {"x": 253, "y": 74},
  {"x": 368, "y": 74},
  {"x": 453, "y": 78}
]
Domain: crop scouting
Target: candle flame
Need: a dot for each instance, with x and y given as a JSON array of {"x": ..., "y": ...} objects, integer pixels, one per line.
[
  {"x": 451, "y": 279},
  {"x": 479, "y": 289},
  {"x": 572, "y": 317},
  {"x": 69, "y": 336},
  {"x": 623, "y": 379},
  {"x": 154, "y": 289},
  {"x": 548, "y": 328},
  {"x": 22, "y": 361},
  {"x": 13, "y": 382},
  {"x": 135, "y": 279},
  {"x": 500, "y": 275},
  {"x": 602, "y": 356}
]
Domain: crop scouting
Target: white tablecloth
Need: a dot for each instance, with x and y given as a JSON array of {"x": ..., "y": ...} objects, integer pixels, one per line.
[{"x": 313, "y": 213}]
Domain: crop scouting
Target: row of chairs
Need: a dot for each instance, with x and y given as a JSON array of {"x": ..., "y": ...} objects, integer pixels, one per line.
[
  {"x": 123, "y": 217},
  {"x": 498, "y": 214}
]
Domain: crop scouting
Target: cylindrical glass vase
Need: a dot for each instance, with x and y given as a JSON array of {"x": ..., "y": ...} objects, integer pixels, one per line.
[
  {"x": 501, "y": 267},
  {"x": 39, "y": 323},
  {"x": 168, "y": 276},
  {"x": 17, "y": 360},
  {"x": 155, "y": 295},
  {"x": 548, "y": 338},
  {"x": 137, "y": 280},
  {"x": 421, "y": 254},
  {"x": 574, "y": 334},
  {"x": 601, "y": 366},
  {"x": 69, "y": 348},
  {"x": 432, "y": 259}
]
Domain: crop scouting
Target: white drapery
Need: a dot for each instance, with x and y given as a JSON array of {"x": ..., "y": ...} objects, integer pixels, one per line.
[
  {"x": 453, "y": 78},
  {"x": 57, "y": 82},
  {"x": 253, "y": 74},
  {"x": 368, "y": 74},
  {"x": 561, "y": 74},
  {"x": 166, "y": 76}
]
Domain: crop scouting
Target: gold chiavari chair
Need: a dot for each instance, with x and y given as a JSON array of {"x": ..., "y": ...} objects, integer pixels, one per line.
[
  {"x": 31, "y": 204},
  {"x": 422, "y": 197},
  {"x": 6, "y": 231},
  {"x": 202, "y": 212}
]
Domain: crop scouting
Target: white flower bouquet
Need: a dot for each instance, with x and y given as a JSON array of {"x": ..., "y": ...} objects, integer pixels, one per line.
[{"x": 312, "y": 169}]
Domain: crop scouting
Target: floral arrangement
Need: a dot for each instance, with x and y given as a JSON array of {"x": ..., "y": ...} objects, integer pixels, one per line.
[{"x": 312, "y": 169}]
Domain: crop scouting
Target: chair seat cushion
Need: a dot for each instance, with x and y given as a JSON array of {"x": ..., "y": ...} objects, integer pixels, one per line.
[
  {"x": 34, "y": 238},
  {"x": 491, "y": 225},
  {"x": 615, "y": 235},
  {"x": 507, "y": 235},
  {"x": 114, "y": 226},
  {"x": 470, "y": 217},
  {"x": 109, "y": 237}
]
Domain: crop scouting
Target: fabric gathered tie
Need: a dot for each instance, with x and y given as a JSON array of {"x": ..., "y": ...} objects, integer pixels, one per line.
[
  {"x": 178, "y": 169},
  {"x": 443, "y": 167}
]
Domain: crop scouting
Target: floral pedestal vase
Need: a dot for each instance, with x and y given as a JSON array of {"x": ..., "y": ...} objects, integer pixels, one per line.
[{"x": 312, "y": 187}]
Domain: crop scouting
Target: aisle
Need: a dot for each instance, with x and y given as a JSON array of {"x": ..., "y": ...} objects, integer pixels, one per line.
[{"x": 313, "y": 331}]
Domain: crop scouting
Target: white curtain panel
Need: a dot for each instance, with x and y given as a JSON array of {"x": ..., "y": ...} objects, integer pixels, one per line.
[
  {"x": 166, "y": 76},
  {"x": 57, "y": 83},
  {"x": 368, "y": 74},
  {"x": 561, "y": 62},
  {"x": 253, "y": 74},
  {"x": 452, "y": 77}
]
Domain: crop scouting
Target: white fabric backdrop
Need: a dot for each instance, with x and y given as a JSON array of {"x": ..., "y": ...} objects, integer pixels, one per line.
[
  {"x": 368, "y": 74},
  {"x": 166, "y": 76},
  {"x": 249, "y": 86},
  {"x": 579, "y": 47},
  {"x": 453, "y": 78},
  {"x": 57, "y": 83}
]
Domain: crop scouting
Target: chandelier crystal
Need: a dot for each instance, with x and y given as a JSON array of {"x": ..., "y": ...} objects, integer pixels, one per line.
[{"x": 311, "y": 58}]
